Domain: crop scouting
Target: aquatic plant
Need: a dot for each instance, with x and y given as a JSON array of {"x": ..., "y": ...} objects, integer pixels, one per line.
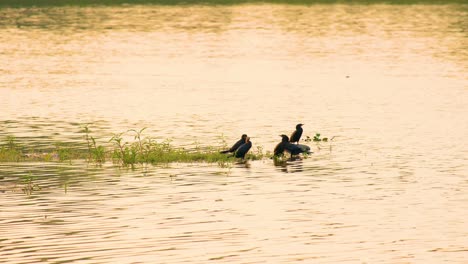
[
  {"x": 147, "y": 150},
  {"x": 140, "y": 150},
  {"x": 11, "y": 142},
  {"x": 95, "y": 153},
  {"x": 317, "y": 138},
  {"x": 258, "y": 154},
  {"x": 138, "y": 137},
  {"x": 280, "y": 160},
  {"x": 122, "y": 153},
  {"x": 63, "y": 153},
  {"x": 7, "y": 155},
  {"x": 29, "y": 186},
  {"x": 86, "y": 136},
  {"x": 10, "y": 151},
  {"x": 98, "y": 153}
]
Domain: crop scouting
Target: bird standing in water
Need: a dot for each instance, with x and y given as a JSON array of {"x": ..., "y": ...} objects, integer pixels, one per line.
[
  {"x": 285, "y": 145},
  {"x": 279, "y": 149},
  {"x": 296, "y": 135},
  {"x": 243, "y": 149},
  {"x": 236, "y": 145}
]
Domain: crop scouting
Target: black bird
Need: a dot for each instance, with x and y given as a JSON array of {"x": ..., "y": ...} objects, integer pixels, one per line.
[
  {"x": 293, "y": 149},
  {"x": 279, "y": 149},
  {"x": 296, "y": 135},
  {"x": 285, "y": 145},
  {"x": 236, "y": 145},
  {"x": 243, "y": 149}
]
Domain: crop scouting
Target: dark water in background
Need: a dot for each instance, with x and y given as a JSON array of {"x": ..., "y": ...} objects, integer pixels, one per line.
[{"x": 390, "y": 188}]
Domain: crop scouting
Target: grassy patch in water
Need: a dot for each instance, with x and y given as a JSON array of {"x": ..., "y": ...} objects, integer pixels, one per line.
[
  {"x": 127, "y": 153},
  {"x": 10, "y": 150},
  {"x": 29, "y": 3}
]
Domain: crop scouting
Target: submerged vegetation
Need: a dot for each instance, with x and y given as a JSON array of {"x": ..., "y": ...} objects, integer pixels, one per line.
[
  {"x": 120, "y": 151},
  {"x": 26, "y": 3}
]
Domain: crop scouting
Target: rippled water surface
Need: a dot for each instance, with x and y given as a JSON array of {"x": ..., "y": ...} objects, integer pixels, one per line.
[{"x": 388, "y": 82}]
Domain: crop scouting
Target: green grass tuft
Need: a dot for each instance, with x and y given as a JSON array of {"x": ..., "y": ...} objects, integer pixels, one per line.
[{"x": 140, "y": 151}]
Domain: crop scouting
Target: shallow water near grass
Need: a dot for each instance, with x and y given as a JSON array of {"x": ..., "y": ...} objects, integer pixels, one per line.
[{"x": 388, "y": 82}]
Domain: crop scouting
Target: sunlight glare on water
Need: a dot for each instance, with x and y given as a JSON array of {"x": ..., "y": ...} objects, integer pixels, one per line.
[{"x": 388, "y": 82}]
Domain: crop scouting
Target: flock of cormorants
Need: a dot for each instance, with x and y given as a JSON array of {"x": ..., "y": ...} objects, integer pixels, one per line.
[{"x": 243, "y": 145}]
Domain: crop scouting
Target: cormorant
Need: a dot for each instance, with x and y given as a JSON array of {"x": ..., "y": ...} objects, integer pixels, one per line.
[
  {"x": 296, "y": 135},
  {"x": 293, "y": 149},
  {"x": 279, "y": 149},
  {"x": 289, "y": 147},
  {"x": 243, "y": 149},
  {"x": 236, "y": 145}
]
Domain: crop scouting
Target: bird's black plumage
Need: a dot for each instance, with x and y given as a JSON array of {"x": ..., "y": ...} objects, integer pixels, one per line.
[
  {"x": 236, "y": 145},
  {"x": 285, "y": 145},
  {"x": 293, "y": 149},
  {"x": 296, "y": 135},
  {"x": 280, "y": 148},
  {"x": 243, "y": 149}
]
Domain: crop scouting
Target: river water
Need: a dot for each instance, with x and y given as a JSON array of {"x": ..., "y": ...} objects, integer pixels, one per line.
[{"x": 387, "y": 82}]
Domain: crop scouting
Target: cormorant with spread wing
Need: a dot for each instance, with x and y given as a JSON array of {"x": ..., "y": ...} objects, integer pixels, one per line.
[{"x": 285, "y": 145}]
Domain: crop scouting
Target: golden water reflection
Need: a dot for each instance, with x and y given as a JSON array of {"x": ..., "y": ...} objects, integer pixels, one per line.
[{"x": 387, "y": 81}]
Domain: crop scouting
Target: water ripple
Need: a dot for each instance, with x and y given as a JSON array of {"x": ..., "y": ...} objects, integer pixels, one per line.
[{"x": 389, "y": 88}]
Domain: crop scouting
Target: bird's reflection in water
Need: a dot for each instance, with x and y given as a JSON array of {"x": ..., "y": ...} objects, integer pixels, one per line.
[{"x": 291, "y": 165}]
